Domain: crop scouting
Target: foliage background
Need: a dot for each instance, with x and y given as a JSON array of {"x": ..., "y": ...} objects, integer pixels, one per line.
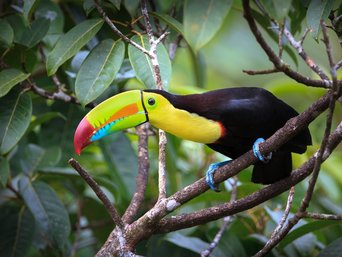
[{"x": 46, "y": 209}]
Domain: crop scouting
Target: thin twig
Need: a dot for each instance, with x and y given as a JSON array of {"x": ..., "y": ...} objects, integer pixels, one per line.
[
  {"x": 162, "y": 165},
  {"x": 273, "y": 57},
  {"x": 141, "y": 179},
  {"x": 98, "y": 191},
  {"x": 286, "y": 212},
  {"x": 301, "y": 52},
  {"x": 116, "y": 30},
  {"x": 159, "y": 85},
  {"x": 196, "y": 218},
  {"x": 279, "y": 227},
  {"x": 261, "y": 72},
  {"x": 322, "y": 216},
  {"x": 338, "y": 65},
  {"x": 280, "y": 41},
  {"x": 318, "y": 162},
  {"x": 226, "y": 222}
]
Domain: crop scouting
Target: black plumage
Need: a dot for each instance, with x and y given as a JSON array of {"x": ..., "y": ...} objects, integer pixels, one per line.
[{"x": 246, "y": 113}]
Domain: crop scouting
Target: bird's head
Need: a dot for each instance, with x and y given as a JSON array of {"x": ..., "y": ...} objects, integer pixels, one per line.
[{"x": 122, "y": 111}]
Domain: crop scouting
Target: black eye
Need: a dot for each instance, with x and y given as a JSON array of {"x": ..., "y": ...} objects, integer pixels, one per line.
[{"x": 151, "y": 101}]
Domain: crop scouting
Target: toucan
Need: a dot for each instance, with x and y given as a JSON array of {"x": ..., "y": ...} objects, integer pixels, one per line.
[{"x": 230, "y": 121}]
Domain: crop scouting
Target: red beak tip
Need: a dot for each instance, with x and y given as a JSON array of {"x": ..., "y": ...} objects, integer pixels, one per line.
[{"x": 82, "y": 135}]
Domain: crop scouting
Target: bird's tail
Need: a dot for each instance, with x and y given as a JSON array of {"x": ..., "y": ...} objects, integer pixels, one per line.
[{"x": 279, "y": 167}]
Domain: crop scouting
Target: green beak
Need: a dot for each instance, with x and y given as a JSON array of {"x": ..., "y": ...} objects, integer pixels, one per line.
[{"x": 119, "y": 112}]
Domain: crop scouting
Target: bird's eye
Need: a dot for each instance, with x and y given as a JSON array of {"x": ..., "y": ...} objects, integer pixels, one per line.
[{"x": 151, "y": 101}]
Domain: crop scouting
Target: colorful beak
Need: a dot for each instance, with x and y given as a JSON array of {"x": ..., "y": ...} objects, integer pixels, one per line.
[{"x": 119, "y": 112}]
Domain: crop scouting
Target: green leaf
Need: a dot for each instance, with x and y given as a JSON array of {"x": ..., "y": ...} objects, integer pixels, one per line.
[
  {"x": 202, "y": 19},
  {"x": 70, "y": 43},
  {"x": 193, "y": 244},
  {"x": 9, "y": 78},
  {"x": 131, "y": 6},
  {"x": 306, "y": 229},
  {"x": 17, "y": 22},
  {"x": 332, "y": 250},
  {"x": 142, "y": 64},
  {"x": 277, "y": 9},
  {"x": 50, "y": 10},
  {"x": 7, "y": 34},
  {"x": 88, "y": 6},
  {"x": 29, "y": 6},
  {"x": 48, "y": 211},
  {"x": 98, "y": 70},
  {"x": 4, "y": 171},
  {"x": 318, "y": 10},
  {"x": 170, "y": 21},
  {"x": 296, "y": 15},
  {"x": 45, "y": 117},
  {"x": 122, "y": 161},
  {"x": 36, "y": 32},
  {"x": 59, "y": 171},
  {"x": 14, "y": 119},
  {"x": 51, "y": 157},
  {"x": 30, "y": 158},
  {"x": 17, "y": 230},
  {"x": 116, "y": 3}
]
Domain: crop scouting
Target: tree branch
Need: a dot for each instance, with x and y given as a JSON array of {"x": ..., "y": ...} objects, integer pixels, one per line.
[
  {"x": 226, "y": 222},
  {"x": 322, "y": 216},
  {"x": 141, "y": 179},
  {"x": 152, "y": 221},
  {"x": 159, "y": 84},
  {"x": 298, "y": 45},
  {"x": 277, "y": 62},
  {"x": 98, "y": 191},
  {"x": 209, "y": 214}
]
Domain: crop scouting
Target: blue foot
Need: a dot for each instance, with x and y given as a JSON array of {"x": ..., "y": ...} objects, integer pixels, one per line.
[
  {"x": 264, "y": 159},
  {"x": 209, "y": 176}
]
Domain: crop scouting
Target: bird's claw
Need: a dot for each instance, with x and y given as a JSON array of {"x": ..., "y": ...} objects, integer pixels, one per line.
[
  {"x": 209, "y": 176},
  {"x": 256, "y": 151}
]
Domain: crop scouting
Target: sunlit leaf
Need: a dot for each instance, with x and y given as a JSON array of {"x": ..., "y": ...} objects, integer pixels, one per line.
[
  {"x": 71, "y": 42},
  {"x": 9, "y": 78},
  {"x": 17, "y": 230},
  {"x": 98, "y": 70},
  {"x": 48, "y": 211},
  {"x": 14, "y": 119},
  {"x": 142, "y": 64},
  {"x": 202, "y": 19}
]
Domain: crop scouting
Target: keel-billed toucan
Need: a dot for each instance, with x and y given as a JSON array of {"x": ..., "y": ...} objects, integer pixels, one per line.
[{"x": 227, "y": 120}]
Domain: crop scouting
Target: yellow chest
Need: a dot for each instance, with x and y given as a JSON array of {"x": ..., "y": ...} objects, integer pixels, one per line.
[{"x": 186, "y": 125}]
